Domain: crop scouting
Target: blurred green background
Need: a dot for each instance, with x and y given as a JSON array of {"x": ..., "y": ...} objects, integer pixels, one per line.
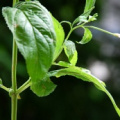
[{"x": 73, "y": 99}]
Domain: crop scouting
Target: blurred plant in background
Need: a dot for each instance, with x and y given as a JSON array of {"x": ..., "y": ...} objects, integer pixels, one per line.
[{"x": 72, "y": 98}]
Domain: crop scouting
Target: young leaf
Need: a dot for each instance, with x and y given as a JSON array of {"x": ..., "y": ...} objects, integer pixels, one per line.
[
  {"x": 89, "y": 5},
  {"x": 70, "y": 51},
  {"x": 59, "y": 37},
  {"x": 87, "y": 36},
  {"x": 82, "y": 19},
  {"x": 85, "y": 75},
  {"x": 92, "y": 18},
  {"x": 33, "y": 30}
]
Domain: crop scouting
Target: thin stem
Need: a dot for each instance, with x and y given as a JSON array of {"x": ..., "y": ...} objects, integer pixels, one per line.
[
  {"x": 14, "y": 83},
  {"x": 79, "y": 26},
  {"x": 4, "y": 88},
  {"x": 69, "y": 34},
  {"x": 72, "y": 29},
  {"x": 24, "y": 86},
  {"x": 63, "y": 44},
  {"x": 69, "y": 23},
  {"x": 14, "y": 65},
  {"x": 102, "y": 30}
]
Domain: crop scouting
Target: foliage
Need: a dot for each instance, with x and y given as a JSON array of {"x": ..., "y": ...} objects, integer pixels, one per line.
[{"x": 40, "y": 38}]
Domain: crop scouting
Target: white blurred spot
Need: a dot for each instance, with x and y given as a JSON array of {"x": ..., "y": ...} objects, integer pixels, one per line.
[{"x": 100, "y": 70}]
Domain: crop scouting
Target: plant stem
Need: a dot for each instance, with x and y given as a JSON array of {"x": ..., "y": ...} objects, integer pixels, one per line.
[
  {"x": 14, "y": 2},
  {"x": 14, "y": 65},
  {"x": 4, "y": 88},
  {"x": 71, "y": 30},
  {"x": 24, "y": 86},
  {"x": 102, "y": 30},
  {"x": 14, "y": 83}
]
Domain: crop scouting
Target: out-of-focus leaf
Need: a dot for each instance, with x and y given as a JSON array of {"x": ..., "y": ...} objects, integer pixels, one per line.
[
  {"x": 81, "y": 19},
  {"x": 85, "y": 75},
  {"x": 59, "y": 37},
  {"x": 89, "y": 4},
  {"x": 87, "y": 36},
  {"x": 0, "y": 81},
  {"x": 33, "y": 30},
  {"x": 70, "y": 51},
  {"x": 93, "y": 18}
]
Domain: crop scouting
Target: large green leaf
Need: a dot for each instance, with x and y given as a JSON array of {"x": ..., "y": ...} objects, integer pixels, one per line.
[
  {"x": 70, "y": 51},
  {"x": 33, "y": 30},
  {"x": 59, "y": 37},
  {"x": 85, "y": 75}
]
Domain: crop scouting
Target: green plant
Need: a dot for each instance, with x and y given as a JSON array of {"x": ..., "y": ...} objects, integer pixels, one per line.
[{"x": 40, "y": 38}]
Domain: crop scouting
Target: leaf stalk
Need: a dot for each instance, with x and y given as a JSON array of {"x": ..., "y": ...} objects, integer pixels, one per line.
[
  {"x": 105, "y": 31},
  {"x": 24, "y": 86},
  {"x": 4, "y": 88}
]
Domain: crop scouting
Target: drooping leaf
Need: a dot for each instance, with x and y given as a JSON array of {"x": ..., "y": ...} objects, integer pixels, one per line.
[
  {"x": 70, "y": 51},
  {"x": 33, "y": 30},
  {"x": 85, "y": 75},
  {"x": 59, "y": 37},
  {"x": 87, "y": 36},
  {"x": 44, "y": 87}
]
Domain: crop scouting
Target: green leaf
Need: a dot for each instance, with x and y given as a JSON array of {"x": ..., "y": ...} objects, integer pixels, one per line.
[
  {"x": 33, "y": 30},
  {"x": 82, "y": 18},
  {"x": 93, "y": 18},
  {"x": 0, "y": 82},
  {"x": 89, "y": 4},
  {"x": 70, "y": 51},
  {"x": 87, "y": 36},
  {"x": 85, "y": 75},
  {"x": 63, "y": 64},
  {"x": 44, "y": 87},
  {"x": 60, "y": 35}
]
